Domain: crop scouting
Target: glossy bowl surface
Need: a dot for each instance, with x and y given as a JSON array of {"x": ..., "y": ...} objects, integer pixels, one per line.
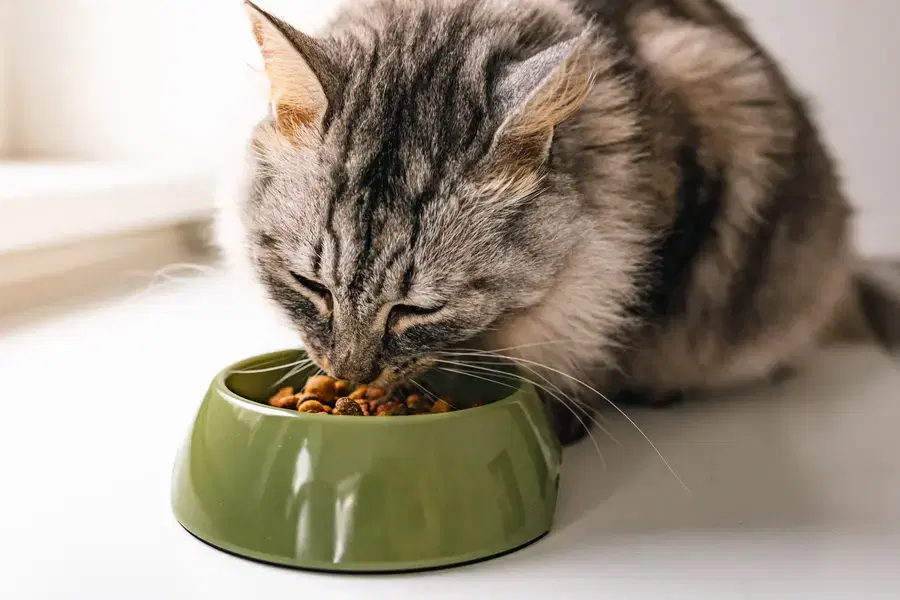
[{"x": 364, "y": 494}]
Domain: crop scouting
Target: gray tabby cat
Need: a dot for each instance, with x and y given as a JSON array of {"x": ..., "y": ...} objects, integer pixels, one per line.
[{"x": 628, "y": 192}]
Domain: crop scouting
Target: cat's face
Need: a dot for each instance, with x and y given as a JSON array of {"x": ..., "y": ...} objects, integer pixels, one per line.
[{"x": 393, "y": 218}]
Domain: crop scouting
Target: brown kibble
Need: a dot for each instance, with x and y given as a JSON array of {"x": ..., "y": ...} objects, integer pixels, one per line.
[
  {"x": 417, "y": 404},
  {"x": 301, "y": 398},
  {"x": 284, "y": 398},
  {"x": 359, "y": 393},
  {"x": 441, "y": 406},
  {"x": 313, "y": 406},
  {"x": 325, "y": 395},
  {"x": 346, "y": 406},
  {"x": 322, "y": 387},
  {"x": 373, "y": 393},
  {"x": 391, "y": 409}
]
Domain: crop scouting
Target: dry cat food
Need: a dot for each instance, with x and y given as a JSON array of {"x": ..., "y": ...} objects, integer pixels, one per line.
[{"x": 322, "y": 394}]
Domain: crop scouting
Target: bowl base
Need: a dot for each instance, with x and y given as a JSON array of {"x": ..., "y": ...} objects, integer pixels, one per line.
[{"x": 343, "y": 571}]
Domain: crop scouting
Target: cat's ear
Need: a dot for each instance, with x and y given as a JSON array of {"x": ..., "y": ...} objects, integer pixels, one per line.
[
  {"x": 296, "y": 66},
  {"x": 541, "y": 92}
]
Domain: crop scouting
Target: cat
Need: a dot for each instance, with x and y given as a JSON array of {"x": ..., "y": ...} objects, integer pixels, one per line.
[{"x": 627, "y": 197}]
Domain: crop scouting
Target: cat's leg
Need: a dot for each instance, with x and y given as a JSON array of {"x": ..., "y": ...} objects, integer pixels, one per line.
[
  {"x": 782, "y": 374},
  {"x": 569, "y": 426},
  {"x": 636, "y": 397}
]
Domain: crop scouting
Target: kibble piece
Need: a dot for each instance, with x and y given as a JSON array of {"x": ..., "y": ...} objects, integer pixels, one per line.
[
  {"x": 325, "y": 395},
  {"x": 322, "y": 387},
  {"x": 441, "y": 406},
  {"x": 391, "y": 409},
  {"x": 417, "y": 404},
  {"x": 313, "y": 406},
  {"x": 373, "y": 393},
  {"x": 303, "y": 397},
  {"x": 346, "y": 406},
  {"x": 359, "y": 393},
  {"x": 341, "y": 389},
  {"x": 285, "y": 398}
]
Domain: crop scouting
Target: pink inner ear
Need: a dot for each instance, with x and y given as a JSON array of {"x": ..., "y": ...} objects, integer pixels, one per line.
[
  {"x": 294, "y": 121},
  {"x": 298, "y": 100}
]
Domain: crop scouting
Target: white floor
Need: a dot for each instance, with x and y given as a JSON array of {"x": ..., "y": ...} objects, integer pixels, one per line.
[{"x": 795, "y": 491}]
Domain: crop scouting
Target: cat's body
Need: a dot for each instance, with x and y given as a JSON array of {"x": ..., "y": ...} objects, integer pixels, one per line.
[{"x": 629, "y": 193}]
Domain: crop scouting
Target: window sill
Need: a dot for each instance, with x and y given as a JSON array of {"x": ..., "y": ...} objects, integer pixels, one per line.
[{"x": 47, "y": 204}]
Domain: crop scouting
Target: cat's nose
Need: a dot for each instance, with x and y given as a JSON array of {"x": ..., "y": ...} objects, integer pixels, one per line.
[{"x": 355, "y": 370}]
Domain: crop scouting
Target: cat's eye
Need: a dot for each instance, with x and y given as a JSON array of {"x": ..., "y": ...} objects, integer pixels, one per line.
[
  {"x": 315, "y": 288},
  {"x": 401, "y": 311}
]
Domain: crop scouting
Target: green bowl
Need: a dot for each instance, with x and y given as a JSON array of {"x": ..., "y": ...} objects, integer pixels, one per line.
[{"x": 365, "y": 494}]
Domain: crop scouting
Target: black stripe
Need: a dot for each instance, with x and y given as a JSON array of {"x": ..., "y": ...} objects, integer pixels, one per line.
[
  {"x": 699, "y": 201},
  {"x": 266, "y": 241},
  {"x": 339, "y": 174},
  {"x": 787, "y": 207},
  {"x": 317, "y": 258},
  {"x": 392, "y": 260},
  {"x": 408, "y": 277},
  {"x": 339, "y": 179}
]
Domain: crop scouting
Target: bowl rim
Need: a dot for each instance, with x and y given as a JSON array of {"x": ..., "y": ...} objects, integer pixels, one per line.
[{"x": 525, "y": 389}]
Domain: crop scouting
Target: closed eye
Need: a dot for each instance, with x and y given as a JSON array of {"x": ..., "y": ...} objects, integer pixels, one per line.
[
  {"x": 401, "y": 312},
  {"x": 316, "y": 289}
]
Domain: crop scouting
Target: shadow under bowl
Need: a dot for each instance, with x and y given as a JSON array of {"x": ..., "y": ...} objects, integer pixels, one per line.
[{"x": 365, "y": 494}]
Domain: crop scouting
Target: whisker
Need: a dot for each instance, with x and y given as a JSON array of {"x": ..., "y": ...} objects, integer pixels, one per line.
[
  {"x": 268, "y": 369},
  {"x": 584, "y": 411},
  {"x": 424, "y": 389},
  {"x": 584, "y": 406},
  {"x": 292, "y": 372},
  {"x": 610, "y": 402},
  {"x": 435, "y": 397},
  {"x": 583, "y": 424},
  {"x": 536, "y": 344}
]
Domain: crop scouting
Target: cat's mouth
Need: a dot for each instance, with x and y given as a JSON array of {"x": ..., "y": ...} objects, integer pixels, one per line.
[{"x": 392, "y": 377}]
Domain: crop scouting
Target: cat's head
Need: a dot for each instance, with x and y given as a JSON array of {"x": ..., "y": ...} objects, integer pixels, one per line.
[{"x": 404, "y": 196}]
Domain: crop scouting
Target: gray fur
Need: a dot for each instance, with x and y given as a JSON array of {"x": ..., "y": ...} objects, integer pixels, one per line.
[
  {"x": 878, "y": 285},
  {"x": 686, "y": 228}
]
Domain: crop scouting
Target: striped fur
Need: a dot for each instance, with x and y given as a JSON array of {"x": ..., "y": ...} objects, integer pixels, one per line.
[{"x": 651, "y": 210}]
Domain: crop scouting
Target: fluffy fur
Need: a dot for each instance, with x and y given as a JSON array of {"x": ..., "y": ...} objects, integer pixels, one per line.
[{"x": 630, "y": 193}]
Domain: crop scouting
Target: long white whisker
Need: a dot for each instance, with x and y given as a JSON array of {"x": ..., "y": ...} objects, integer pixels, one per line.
[
  {"x": 585, "y": 408},
  {"x": 536, "y": 344},
  {"x": 555, "y": 395},
  {"x": 292, "y": 372},
  {"x": 610, "y": 402},
  {"x": 583, "y": 424},
  {"x": 268, "y": 369},
  {"x": 422, "y": 387}
]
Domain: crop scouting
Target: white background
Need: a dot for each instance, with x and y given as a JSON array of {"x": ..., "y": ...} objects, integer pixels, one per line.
[
  {"x": 168, "y": 81},
  {"x": 4, "y": 80}
]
